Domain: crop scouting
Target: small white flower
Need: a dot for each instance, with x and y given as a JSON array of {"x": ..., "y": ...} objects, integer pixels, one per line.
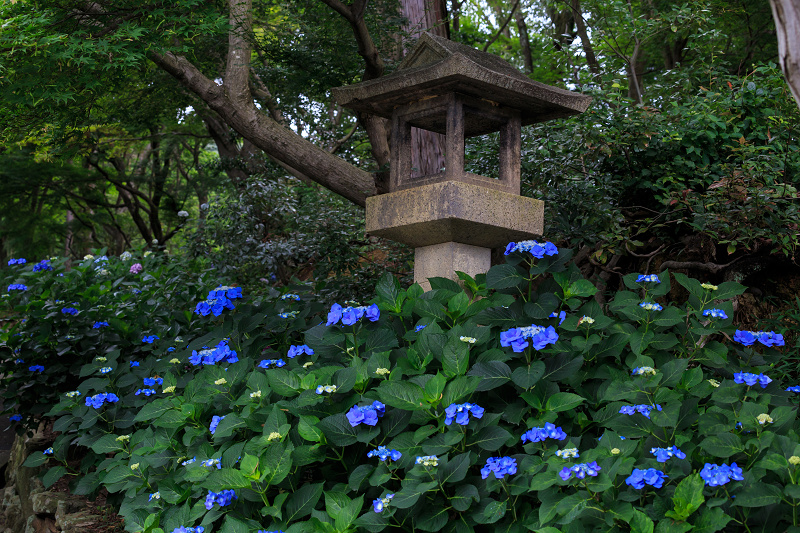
[
  {"x": 183, "y": 214},
  {"x": 125, "y": 256},
  {"x": 568, "y": 453},
  {"x": 123, "y": 438},
  {"x": 306, "y": 365},
  {"x": 644, "y": 371},
  {"x": 169, "y": 389},
  {"x": 382, "y": 371},
  {"x": 255, "y": 395},
  {"x": 794, "y": 460},
  {"x": 764, "y": 418},
  {"x": 135, "y": 466},
  {"x": 88, "y": 256},
  {"x": 586, "y": 320},
  {"x": 615, "y": 451},
  {"x": 155, "y": 496},
  {"x": 101, "y": 359},
  {"x": 274, "y": 436},
  {"x": 427, "y": 460},
  {"x": 148, "y": 252},
  {"x": 471, "y": 340},
  {"x": 714, "y": 383},
  {"x": 221, "y": 381},
  {"x": 73, "y": 394},
  {"x": 106, "y": 370},
  {"x": 330, "y": 389},
  {"x": 174, "y": 360},
  {"x": 709, "y": 287}
]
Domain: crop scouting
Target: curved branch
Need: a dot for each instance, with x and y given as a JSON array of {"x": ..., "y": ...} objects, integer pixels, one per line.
[{"x": 712, "y": 268}]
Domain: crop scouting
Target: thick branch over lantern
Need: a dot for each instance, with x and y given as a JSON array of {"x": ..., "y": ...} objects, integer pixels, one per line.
[{"x": 453, "y": 218}]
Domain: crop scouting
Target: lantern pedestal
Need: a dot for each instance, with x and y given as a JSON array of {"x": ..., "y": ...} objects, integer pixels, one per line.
[{"x": 445, "y": 259}]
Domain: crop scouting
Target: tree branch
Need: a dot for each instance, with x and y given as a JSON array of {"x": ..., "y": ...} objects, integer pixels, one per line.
[{"x": 508, "y": 19}]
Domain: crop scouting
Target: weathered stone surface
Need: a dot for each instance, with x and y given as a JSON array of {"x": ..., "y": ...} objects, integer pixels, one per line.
[
  {"x": 77, "y": 522},
  {"x": 443, "y": 260},
  {"x": 438, "y": 66},
  {"x": 50, "y": 502},
  {"x": 68, "y": 506},
  {"x": 453, "y": 211},
  {"x": 41, "y": 524}
]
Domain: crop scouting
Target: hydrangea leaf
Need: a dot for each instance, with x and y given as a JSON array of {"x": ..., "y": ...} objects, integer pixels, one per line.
[
  {"x": 464, "y": 497},
  {"x": 723, "y": 445},
  {"x": 493, "y": 374},
  {"x": 410, "y": 492},
  {"x": 490, "y": 438},
  {"x": 337, "y": 430},
  {"x": 402, "y": 394},
  {"x": 563, "y": 401},
  {"x": 758, "y": 494},
  {"x": 302, "y": 501},
  {"x": 711, "y": 520},
  {"x": 526, "y": 376},
  {"x": 459, "y": 388},
  {"x": 504, "y": 277}
]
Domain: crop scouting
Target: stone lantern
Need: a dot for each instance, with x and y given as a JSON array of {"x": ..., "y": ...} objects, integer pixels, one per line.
[{"x": 454, "y": 218}]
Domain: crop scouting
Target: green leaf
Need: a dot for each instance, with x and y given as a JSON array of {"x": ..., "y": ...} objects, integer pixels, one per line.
[
  {"x": 640, "y": 340},
  {"x": 228, "y": 425},
  {"x": 673, "y": 371},
  {"x": 283, "y": 382},
  {"x": 337, "y": 430},
  {"x": 234, "y": 525},
  {"x": 402, "y": 394},
  {"x": 410, "y": 493},
  {"x": 711, "y": 520},
  {"x": 349, "y": 513},
  {"x": 582, "y": 288},
  {"x": 35, "y": 459},
  {"x": 380, "y": 340},
  {"x": 454, "y": 470},
  {"x": 464, "y": 496},
  {"x": 459, "y": 388},
  {"x": 434, "y": 387},
  {"x": 53, "y": 475},
  {"x": 455, "y": 358},
  {"x": 493, "y": 374},
  {"x": 526, "y": 377},
  {"x": 309, "y": 430},
  {"x": 106, "y": 444},
  {"x": 641, "y": 523},
  {"x": 226, "y": 478},
  {"x": 563, "y": 401},
  {"x": 723, "y": 445},
  {"x": 302, "y": 501},
  {"x": 758, "y": 494},
  {"x": 490, "y": 438},
  {"x": 504, "y": 276},
  {"x": 154, "y": 409},
  {"x": 688, "y": 497}
]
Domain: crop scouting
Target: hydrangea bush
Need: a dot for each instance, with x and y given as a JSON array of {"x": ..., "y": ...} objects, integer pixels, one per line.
[{"x": 554, "y": 415}]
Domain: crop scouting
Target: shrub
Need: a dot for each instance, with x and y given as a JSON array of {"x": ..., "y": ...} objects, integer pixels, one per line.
[{"x": 522, "y": 406}]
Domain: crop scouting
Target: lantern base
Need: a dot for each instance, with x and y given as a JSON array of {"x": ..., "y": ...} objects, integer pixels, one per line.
[{"x": 444, "y": 259}]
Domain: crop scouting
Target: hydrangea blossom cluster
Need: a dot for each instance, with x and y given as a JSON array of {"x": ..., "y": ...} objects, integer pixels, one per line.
[
  {"x": 36, "y": 368},
  {"x": 535, "y": 248},
  {"x": 539, "y": 336},
  {"x": 17, "y": 287},
  {"x": 106, "y": 370},
  {"x": 19, "y": 261},
  {"x": 270, "y": 363},
  {"x": 329, "y": 389},
  {"x": 294, "y": 351},
  {"x": 568, "y": 453},
  {"x": 150, "y": 339},
  {"x": 100, "y": 324},
  {"x": 213, "y": 306},
  {"x": 43, "y": 265},
  {"x": 146, "y": 392},
  {"x": 643, "y": 371},
  {"x": 383, "y": 453},
  {"x": 152, "y": 382},
  {"x": 189, "y": 461},
  {"x": 427, "y": 460},
  {"x": 549, "y": 431},
  {"x": 99, "y": 399},
  {"x": 562, "y": 316},
  {"x": 751, "y": 379},
  {"x": 793, "y": 388},
  {"x": 69, "y": 311},
  {"x": 208, "y": 463},
  {"x": 460, "y": 413},
  {"x": 717, "y": 475},
  {"x": 290, "y": 296},
  {"x": 222, "y": 498},
  {"x": 136, "y": 268},
  {"x": 366, "y": 414},
  {"x": 580, "y": 470},
  {"x": 184, "y": 529},
  {"x": 231, "y": 293},
  {"x": 767, "y": 338},
  {"x": 641, "y": 408},
  {"x": 639, "y": 478},
  {"x": 15, "y": 418},
  {"x": 500, "y": 466},
  {"x": 379, "y": 504},
  {"x": 663, "y": 454},
  {"x": 215, "y": 420},
  {"x": 648, "y": 278},
  {"x": 212, "y": 356},
  {"x": 650, "y": 306},
  {"x": 351, "y": 315},
  {"x": 715, "y": 313}
]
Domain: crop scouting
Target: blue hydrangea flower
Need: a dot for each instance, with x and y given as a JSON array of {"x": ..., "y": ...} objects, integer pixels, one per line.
[
  {"x": 230, "y": 293},
  {"x": 379, "y": 504},
  {"x": 535, "y": 248},
  {"x": 419, "y": 327},
  {"x": 19, "y": 361},
  {"x": 212, "y": 356},
  {"x": 106, "y": 370},
  {"x": 212, "y": 462},
  {"x": 99, "y": 399},
  {"x": 560, "y": 316},
  {"x": 580, "y": 470},
  {"x": 500, "y": 466},
  {"x": 642, "y": 408},
  {"x": 648, "y": 278},
  {"x": 384, "y": 453},
  {"x": 767, "y": 338},
  {"x": 101, "y": 324},
  {"x": 215, "y": 420},
  {"x": 213, "y": 306},
  {"x": 170, "y": 349},
  {"x": 717, "y": 475},
  {"x": 715, "y": 313},
  {"x": 146, "y": 392},
  {"x": 751, "y": 379},
  {"x": 152, "y": 382},
  {"x": 650, "y": 306},
  {"x": 270, "y": 363},
  {"x": 663, "y": 454},
  {"x": 639, "y": 478},
  {"x": 367, "y": 414},
  {"x": 185, "y": 529},
  {"x": 265, "y": 531},
  {"x": 17, "y": 287},
  {"x": 539, "y": 336},
  {"x": 294, "y": 351},
  {"x": 134, "y": 364},
  {"x": 793, "y": 388},
  {"x": 48, "y": 451},
  {"x": 36, "y": 368},
  {"x": 42, "y": 265},
  {"x": 351, "y": 315},
  {"x": 221, "y": 498},
  {"x": 69, "y": 311},
  {"x": 15, "y": 418},
  {"x": 460, "y": 413},
  {"x": 19, "y": 261},
  {"x": 150, "y": 339},
  {"x": 549, "y": 431},
  {"x": 290, "y": 296},
  {"x": 189, "y": 461}
]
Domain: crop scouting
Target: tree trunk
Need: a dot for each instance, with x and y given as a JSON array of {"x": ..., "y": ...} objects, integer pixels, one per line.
[
  {"x": 427, "y": 148},
  {"x": 524, "y": 41},
  {"x": 787, "y": 25},
  {"x": 591, "y": 59}
]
